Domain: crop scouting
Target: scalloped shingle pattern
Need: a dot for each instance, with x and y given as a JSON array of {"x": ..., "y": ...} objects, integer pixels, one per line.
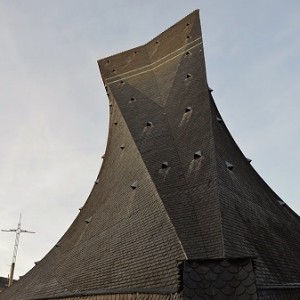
[{"x": 219, "y": 280}]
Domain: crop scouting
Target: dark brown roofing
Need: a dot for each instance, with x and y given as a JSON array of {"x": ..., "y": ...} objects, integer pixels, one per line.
[
  {"x": 177, "y": 210},
  {"x": 3, "y": 283}
]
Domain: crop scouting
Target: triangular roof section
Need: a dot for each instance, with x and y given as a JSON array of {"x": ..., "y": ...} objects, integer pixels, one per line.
[
  {"x": 174, "y": 134},
  {"x": 177, "y": 211}
]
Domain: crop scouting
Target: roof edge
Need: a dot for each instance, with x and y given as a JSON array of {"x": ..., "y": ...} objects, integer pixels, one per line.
[{"x": 110, "y": 292}]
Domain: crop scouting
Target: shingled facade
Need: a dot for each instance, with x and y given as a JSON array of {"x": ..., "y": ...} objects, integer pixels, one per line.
[{"x": 177, "y": 211}]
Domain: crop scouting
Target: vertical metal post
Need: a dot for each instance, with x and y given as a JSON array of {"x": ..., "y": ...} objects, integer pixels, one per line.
[
  {"x": 11, "y": 274},
  {"x": 18, "y": 232}
]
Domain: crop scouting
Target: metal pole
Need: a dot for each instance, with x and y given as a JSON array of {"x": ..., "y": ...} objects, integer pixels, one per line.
[
  {"x": 18, "y": 232},
  {"x": 11, "y": 275}
]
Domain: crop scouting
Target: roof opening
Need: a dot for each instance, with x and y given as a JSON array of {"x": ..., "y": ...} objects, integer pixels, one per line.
[
  {"x": 87, "y": 221},
  {"x": 229, "y": 165},
  {"x": 149, "y": 124},
  {"x": 164, "y": 165},
  {"x": 122, "y": 146},
  {"x": 220, "y": 120},
  {"x": 132, "y": 99},
  {"x": 187, "y": 109},
  {"x": 97, "y": 181},
  {"x": 197, "y": 154},
  {"x": 134, "y": 185},
  {"x": 188, "y": 75}
]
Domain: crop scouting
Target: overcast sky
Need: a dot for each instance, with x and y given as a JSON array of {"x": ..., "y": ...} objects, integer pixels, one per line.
[{"x": 54, "y": 110}]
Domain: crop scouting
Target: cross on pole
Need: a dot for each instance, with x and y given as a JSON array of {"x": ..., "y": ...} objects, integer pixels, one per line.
[{"x": 18, "y": 232}]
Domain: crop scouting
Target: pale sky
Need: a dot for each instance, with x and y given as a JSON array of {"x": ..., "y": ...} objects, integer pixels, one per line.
[{"x": 54, "y": 110}]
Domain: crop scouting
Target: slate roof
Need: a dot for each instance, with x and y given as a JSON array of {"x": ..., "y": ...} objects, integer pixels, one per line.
[
  {"x": 3, "y": 283},
  {"x": 174, "y": 196}
]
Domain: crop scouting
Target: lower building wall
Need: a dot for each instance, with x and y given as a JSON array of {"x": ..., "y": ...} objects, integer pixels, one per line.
[{"x": 221, "y": 279}]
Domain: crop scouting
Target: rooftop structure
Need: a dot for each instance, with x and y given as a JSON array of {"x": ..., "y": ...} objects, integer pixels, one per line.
[
  {"x": 177, "y": 211},
  {"x": 3, "y": 283}
]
